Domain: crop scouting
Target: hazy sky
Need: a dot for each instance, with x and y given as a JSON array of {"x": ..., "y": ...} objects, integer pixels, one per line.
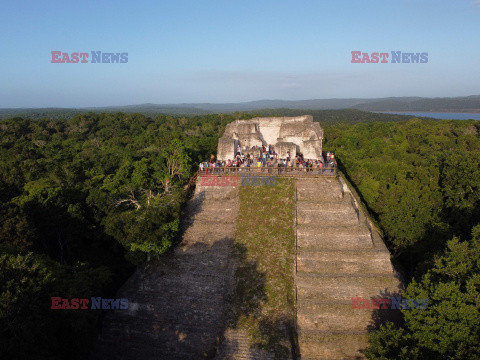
[{"x": 232, "y": 51}]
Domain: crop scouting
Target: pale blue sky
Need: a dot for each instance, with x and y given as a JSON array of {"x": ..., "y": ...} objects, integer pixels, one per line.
[{"x": 231, "y": 51}]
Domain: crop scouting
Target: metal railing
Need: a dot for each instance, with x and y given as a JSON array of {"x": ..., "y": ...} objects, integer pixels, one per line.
[{"x": 270, "y": 170}]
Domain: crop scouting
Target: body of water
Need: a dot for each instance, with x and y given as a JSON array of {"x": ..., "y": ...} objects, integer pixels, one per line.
[{"x": 448, "y": 116}]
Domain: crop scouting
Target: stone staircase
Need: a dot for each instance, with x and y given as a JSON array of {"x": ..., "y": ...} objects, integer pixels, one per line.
[
  {"x": 176, "y": 306},
  {"x": 338, "y": 257}
]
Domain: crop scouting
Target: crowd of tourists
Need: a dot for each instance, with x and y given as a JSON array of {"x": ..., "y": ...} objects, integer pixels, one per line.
[{"x": 266, "y": 157}]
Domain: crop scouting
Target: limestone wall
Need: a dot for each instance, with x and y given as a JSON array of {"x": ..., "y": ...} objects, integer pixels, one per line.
[{"x": 294, "y": 134}]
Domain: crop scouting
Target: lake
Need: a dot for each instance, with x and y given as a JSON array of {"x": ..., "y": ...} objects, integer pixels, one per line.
[{"x": 454, "y": 116}]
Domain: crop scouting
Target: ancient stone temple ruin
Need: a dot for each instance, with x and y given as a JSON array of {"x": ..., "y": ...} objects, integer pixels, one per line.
[{"x": 287, "y": 134}]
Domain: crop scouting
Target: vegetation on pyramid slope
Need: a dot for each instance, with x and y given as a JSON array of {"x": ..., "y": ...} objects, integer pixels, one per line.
[{"x": 263, "y": 302}]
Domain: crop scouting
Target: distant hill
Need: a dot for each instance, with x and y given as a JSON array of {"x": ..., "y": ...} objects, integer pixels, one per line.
[
  {"x": 315, "y": 104},
  {"x": 458, "y": 104},
  {"x": 152, "y": 109},
  {"x": 38, "y": 113},
  {"x": 67, "y": 113},
  {"x": 467, "y": 104}
]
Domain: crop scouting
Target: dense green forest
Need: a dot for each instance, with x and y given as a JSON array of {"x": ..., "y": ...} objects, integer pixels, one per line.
[
  {"x": 334, "y": 117},
  {"x": 323, "y": 116},
  {"x": 85, "y": 199},
  {"x": 458, "y": 104},
  {"x": 81, "y": 201},
  {"x": 148, "y": 110}
]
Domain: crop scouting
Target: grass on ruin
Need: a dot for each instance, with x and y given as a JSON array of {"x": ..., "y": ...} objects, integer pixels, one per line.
[{"x": 263, "y": 302}]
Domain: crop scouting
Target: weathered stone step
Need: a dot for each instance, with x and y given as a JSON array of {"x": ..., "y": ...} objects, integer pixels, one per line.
[
  {"x": 197, "y": 316},
  {"x": 318, "y": 202},
  {"x": 213, "y": 210},
  {"x": 312, "y": 315},
  {"x": 316, "y": 197},
  {"x": 210, "y": 260},
  {"x": 140, "y": 350},
  {"x": 211, "y": 218},
  {"x": 215, "y": 192},
  {"x": 344, "y": 287},
  {"x": 213, "y": 207},
  {"x": 183, "y": 282},
  {"x": 308, "y": 189},
  {"x": 201, "y": 232},
  {"x": 171, "y": 343},
  {"x": 197, "y": 202},
  {"x": 339, "y": 214},
  {"x": 344, "y": 262},
  {"x": 167, "y": 325},
  {"x": 331, "y": 237},
  {"x": 324, "y": 228},
  {"x": 327, "y": 345},
  {"x": 144, "y": 301},
  {"x": 312, "y": 194},
  {"x": 218, "y": 246},
  {"x": 190, "y": 288},
  {"x": 159, "y": 318}
]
